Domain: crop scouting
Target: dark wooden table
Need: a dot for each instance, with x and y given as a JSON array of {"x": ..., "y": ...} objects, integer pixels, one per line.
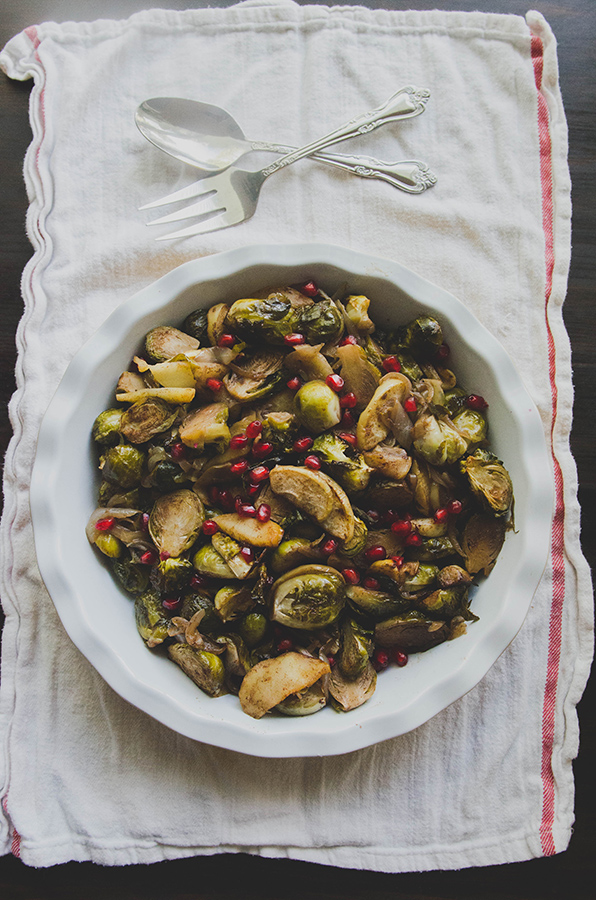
[{"x": 570, "y": 874}]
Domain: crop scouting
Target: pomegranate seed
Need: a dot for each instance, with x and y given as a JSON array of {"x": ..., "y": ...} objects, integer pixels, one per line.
[
  {"x": 348, "y": 437},
  {"x": 375, "y": 553},
  {"x": 329, "y": 547},
  {"x": 401, "y": 527},
  {"x": 474, "y": 401},
  {"x": 198, "y": 581},
  {"x": 214, "y": 384},
  {"x": 331, "y": 661},
  {"x": 105, "y": 524},
  {"x": 214, "y": 494},
  {"x": 226, "y": 500},
  {"x": 261, "y": 450},
  {"x": 302, "y": 444},
  {"x": 148, "y": 558},
  {"x": 254, "y": 428},
  {"x": 253, "y": 489},
  {"x": 210, "y": 527},
  {"x": 441, "y": 515},
  {"x": 413, "y": 540},
  {"x": 335, "y": 382},
  {"x": 400, "y": 657},
  {"x": 347, "y": 420},
  {"x": 443, "y": 352},
  {"x": 391, "y": 364},
  {"x": 351, "y": 576},
  {"x": 349, "y": 339},
  {"x": 285, "y": 645},
  {"x": 164, "y": 555},
  {"x": 226, "y": 340},
  {"x": 371, "y": 583},
  {"x": 264, "y": 512},
  {"x": 294, "y": 383},
  {"x": 239, "y": 441},
  {"x": 258, "y": 474},
  {"x": 293, "y": 340},
  {"x": 246, "y": 510},
  {"x": 373, "y": 515},
  {"x": 177, "y": 451},
  {"x": 410, "y": 405},
  {"x": 239, "y": 468},
  {"x": 455, "y": 507},
  {"x": 313, "y": 462},
  {"x": 247, "y": 554},
  {"x": 310, "y": 289},
  {"x": 390, "y": 516},
  {"x": 348, "y": 401},
  {"x": 380, "y": 659},
  {"x": 171, "y": 604},
  {"x": 398, "y": 560}
]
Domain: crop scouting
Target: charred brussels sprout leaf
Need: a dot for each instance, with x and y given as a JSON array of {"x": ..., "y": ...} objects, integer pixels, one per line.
[
  {"x": 308, "y": 598},
  {"x": 123, "y": 466},
  {"x": 106, "y": 428}
]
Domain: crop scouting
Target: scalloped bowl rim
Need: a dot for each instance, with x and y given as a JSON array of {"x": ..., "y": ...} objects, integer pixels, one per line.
[{"x": 85, "y": 596}]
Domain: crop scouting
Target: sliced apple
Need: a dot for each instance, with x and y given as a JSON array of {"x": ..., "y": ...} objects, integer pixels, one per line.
[
  {"x": 272, "y": 680},
  {"x": 317, "y": 495},
  {"x": 250, "y": 531},
  {"x": 373, "y": 423}
]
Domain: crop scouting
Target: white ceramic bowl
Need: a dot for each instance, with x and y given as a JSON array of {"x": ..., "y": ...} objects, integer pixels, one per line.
[{"x": 98, "y": 616}]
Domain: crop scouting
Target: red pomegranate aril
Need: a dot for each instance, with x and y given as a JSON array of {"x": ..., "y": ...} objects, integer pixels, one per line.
[
  {"x": 210, "y": 527},
  {"x": 214, "y": 384},
  {"x": 442, "y": 353},
  {"x": 373, "y": 515},
  {"x": 410, "y": 405},
  {"x": 351, "y": 576},
  {"x": 310, "y": 289},
  {"x": 171, "y": 604},
  {"x": 264, "y": 512},
  {"x": 293, "y": 340},
  {"x": 177, "y": 451},
  {"x": 371, "y": 583},
  {"x": 331, "y": 661},
  {"x": 259, "y": 474},
  {"x": 294, "y": 383},
  {"x": 391, "y": 364},
  {"x": 329, "y": 547},
  {"x": 247, "y": 511},
  {"x": 239, "y": 468},
  {"x": 350, "y": 339},
  {"x": 400, "y": 657},
  {"x": 380, "y": 659},
  {"x": 476, "y": 402},
  {"x": 413, "y": 540},
  {"x": 348, "y": 401},
  {"x": 105, "y": 524},
  {"x": 226, "y": 340},
  {"x": 254, "y": 428},
  {"x": 261, "y": 450},
  {"x": 302, "y": 444},
  {"x": 348, "y": 420},
  {"x": 455, "y": 507},
  {"x": 239, "y": 441},
  {"x": 348, "y": 437},
  {"x": 198, "y": 581},
  {"x": 398, "y": 561},
  {"x": 164, "y": 555},
  {"x": 375, "y": 553},
  {"x": 226, "y": 500},
  {"x": 285, "y": 645},
  {"x": 148, "y": 558},
  {"x": 253, "y": 489},
  {"x": 335, "y": 382},
  {"x": 401, "y": 527},
  {"x": 313, "y": 462},
  {"x": 441, "y": 515},
  {"x": 247, "y": 554}
]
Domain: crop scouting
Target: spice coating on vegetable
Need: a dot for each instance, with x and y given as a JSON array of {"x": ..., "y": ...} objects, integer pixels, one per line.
[{"x": 294, "y": 499}]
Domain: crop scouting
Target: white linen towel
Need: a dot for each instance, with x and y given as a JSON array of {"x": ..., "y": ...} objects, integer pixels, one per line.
[{"x": 83, "y": 775}]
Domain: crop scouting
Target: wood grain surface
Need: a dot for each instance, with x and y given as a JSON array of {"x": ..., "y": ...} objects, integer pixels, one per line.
[{"x": 570, "y": 874}]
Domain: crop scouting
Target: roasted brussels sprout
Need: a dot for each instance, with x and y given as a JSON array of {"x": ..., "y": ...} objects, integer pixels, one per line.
[
  {"x": 350, "y": 693},
  {"x": 206, "y": 669},
  {"x": 164, "y": 342},
  {"x": 109, "y": 545},
  {"x": 151, "y": 622},
  {"x": 195, "y": 325},
  {"x": 308, "y": 598},
  {"x": 413, "y": 632},
  {"x": 437, "y": 441},
  {"x": 123, "y": 466},
  {"x": 175, "y": 522},
  {"x": 106, "y": 428},
  {"x": 209, "y": 562},
  {"x": 355, "y": 649},
  {"x": 133, "y": 577},
  {"x": 232, "y": 600},
  {"x": 254, "y": 375},
  {"x": 317, "y": 406},
  {"x": 304, "y": 703},
  {"x": 265, "y": 320},
  {"x": 146, "y": 418},
  {"x": 422, "y": 335},
  {"x": 375, "y": 604},
  {"x": 167, "y": 476},
  {"x": 321, "y": 322},
  {"x": 254, "y": 628},
  {"x": 171, "y": 576},
  {"x": 471, "y": 424},
  {"x": 357, "y": 310},
  {"x": 489, "y": 481},
  {"x": 206, "y": 425},
  {"x": 482, "y": 541}
]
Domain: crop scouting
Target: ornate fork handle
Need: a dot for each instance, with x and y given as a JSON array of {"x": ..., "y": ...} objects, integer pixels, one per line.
[{"x": 404, "y": 104}]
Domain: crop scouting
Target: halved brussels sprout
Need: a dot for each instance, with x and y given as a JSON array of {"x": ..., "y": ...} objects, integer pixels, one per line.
[
  {"x": 320, "y": 322},
  {"x": 317, "y": 406},
  {"x": 305, "y": 703},
  {"x": 206, "y": 425},
  {"x": 293, "y": 552},
  {"x": 133, "y": 577},
  {"x": 361, "y": 377},
  {"x": 412, "y": 632},
  {"x": 208, "y": 561},
  {"x": 150, "y": 620},
  {"x": 167, "y": 476},
  {"x": 357, "y": 311},
  {"x": 195, "y": 324},
  {"x": 471, "y": 424},
  {"x": 164, "y": 342},
  {"x": 146, "y": 418},
  {"x": 216, "y": 321},
  {"x": 347, "y": 694},
  {"x": 307, "y": 361},
  {"x": 418, "y": 576},
  {"x": 358, "y": 541},
  {"x": 437, "y": 441},
  {"x": 489, "y": 481},
  {"x": 422, "y": 335},
  {"x": 109, "y": 545},
  {"x": 355, "y": 649},
  {"x": 123, "y": 466},
  {"x": 206, "y": 669},
  {"x": 375, "y": 604},
  {"x": 106, "y": 428},
  {"x": 346, "y": 465},
  {"x": 308, "y": 598},
  {"x": 481, "y": 542},
  {"x": 200, "y": 602},
  {"x": 375, "y": 421},
  {"x": 171, "y": 576},
  {"x": 432, "y": 548},
  {"x": 254, "y": 375},
  {"x": 264, "y": 320},
  {"x": 233, "y": 600},
  {"x": 175, "y": 521}
]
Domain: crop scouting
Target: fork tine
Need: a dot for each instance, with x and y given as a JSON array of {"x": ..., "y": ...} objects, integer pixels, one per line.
[
  {"x": 214, "y": 223},
  {"x": 207, "y": 203},
  {"x": 191, "y": 190}
]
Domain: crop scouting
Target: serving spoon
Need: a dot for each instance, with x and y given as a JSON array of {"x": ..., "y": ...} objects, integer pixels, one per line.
[{"x": 209, "y": 138}]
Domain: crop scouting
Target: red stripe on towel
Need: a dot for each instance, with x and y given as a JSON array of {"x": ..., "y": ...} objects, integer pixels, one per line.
[
  {"x": 557, "y": 537},
  {"x": 15, "y": 844}
]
